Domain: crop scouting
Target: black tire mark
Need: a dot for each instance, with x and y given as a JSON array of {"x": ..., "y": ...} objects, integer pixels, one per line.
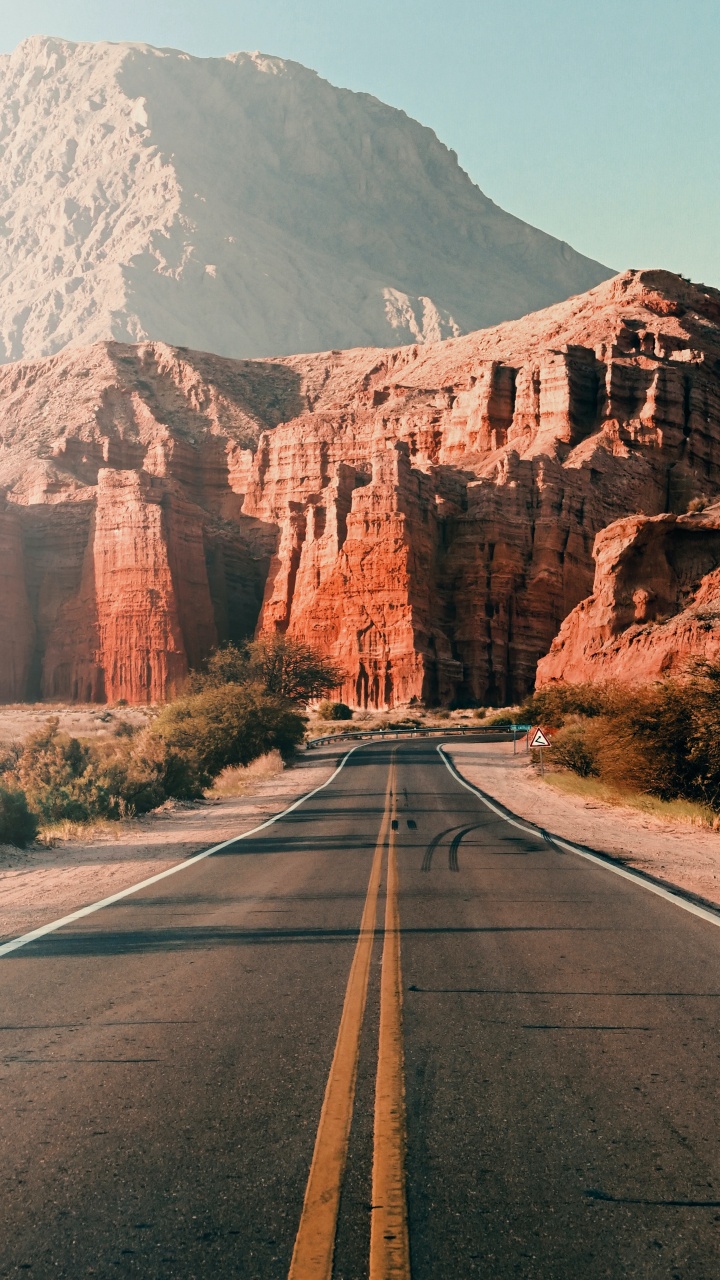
[
  {"x": 427, "y": 860},
  {"x": 453, "y": 855}
]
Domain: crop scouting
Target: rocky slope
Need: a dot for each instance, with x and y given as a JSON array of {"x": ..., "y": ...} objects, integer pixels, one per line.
[
  {"x": 655, "y": 607},
  {"x": 426, "y": 514},
  {"x": 241, "y": 205}
]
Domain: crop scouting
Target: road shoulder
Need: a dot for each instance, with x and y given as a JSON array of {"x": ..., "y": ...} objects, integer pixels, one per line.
[
  {"x": 678, "y": 854},
  {"x": 39, "y": 885}
]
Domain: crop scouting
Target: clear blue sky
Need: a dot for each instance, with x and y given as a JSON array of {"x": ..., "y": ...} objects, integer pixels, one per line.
[{"x": 597, "y": 120}]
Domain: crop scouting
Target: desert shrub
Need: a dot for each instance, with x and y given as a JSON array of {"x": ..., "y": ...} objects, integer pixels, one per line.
[
  {"x": 661, "y": 739},
  {"x": 281, "y": 665},
  {"x": 334, "y": 711},
  {"x": 18, "y": 824},
  {"x": 231, "y": 725},
  {"x": 58, "y": 776},
  {"x": 645, "y": 742},
  {"x": 552, "y": 704},
  {"x": 123, "y": 729},
  {"x": 703, "y": 691},
  {"x": 145, "y": 774},
  {"x": 573, "y": 747}
]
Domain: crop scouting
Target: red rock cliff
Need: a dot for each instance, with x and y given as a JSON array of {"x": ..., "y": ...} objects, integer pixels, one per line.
[
  {"x": 426, "y": 515},
  {"x": 655, "y": 606}
]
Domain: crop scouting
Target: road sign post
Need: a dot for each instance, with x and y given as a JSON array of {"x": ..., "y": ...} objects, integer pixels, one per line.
[{"x": 540, "y": 741}]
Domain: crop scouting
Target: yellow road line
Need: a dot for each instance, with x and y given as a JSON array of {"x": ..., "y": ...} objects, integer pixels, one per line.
[
  {"x": 315, "y": 1241},
  {"x": 389, "y": 1242}
]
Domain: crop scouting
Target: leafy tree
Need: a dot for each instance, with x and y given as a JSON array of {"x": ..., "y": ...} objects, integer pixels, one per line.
[{"x": 281, "y": 665}]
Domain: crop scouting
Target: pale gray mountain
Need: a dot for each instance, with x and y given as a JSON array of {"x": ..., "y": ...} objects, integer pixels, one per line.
[{"x": 241, "y": 205}]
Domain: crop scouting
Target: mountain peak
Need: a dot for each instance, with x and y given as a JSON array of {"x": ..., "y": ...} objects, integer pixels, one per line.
[{"x": 242, "y": 205}]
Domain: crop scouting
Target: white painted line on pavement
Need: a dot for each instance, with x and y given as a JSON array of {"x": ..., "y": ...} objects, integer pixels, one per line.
[
  {"x": 676, "y": 896},
  {"x": 15, "y": 943}
]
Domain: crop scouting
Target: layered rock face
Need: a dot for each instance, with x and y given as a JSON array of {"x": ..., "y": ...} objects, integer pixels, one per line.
[
  {"x": 241, "y": 205},
  {"x": 425, "y": 515},
  {"x": 655, "y": 607},
  {"x": 126, "y": 554}
]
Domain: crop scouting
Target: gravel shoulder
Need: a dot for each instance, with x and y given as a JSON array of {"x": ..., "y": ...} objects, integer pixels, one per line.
[
  {"x": 676, "y": 852},
  {"x": 39, "y": 885}
]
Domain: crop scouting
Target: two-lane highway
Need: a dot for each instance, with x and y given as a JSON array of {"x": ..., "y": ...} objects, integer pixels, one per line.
[{"x": 388, "y": 1035}]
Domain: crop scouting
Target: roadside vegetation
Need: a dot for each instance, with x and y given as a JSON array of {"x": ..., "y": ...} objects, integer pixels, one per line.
[
  {"x": 246, "y": 704},
  {"x": 660, "y": 741}
]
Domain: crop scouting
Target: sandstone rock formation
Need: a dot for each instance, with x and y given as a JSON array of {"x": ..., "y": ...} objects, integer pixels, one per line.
[
  {"x": 241, "y": 205},
  {"x": 655, "y": 607},
  {"x": 425, "y": 514}
]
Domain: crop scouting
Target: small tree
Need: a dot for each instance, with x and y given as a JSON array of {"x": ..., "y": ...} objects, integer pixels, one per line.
[
  {"x": 281, "y": 665},
  {"x": 291, "y": 669}
]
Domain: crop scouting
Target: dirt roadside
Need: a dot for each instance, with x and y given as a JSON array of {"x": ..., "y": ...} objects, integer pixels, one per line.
[
  {"x": 40, "y": 885},
  {"x": 676, "y": 852}
]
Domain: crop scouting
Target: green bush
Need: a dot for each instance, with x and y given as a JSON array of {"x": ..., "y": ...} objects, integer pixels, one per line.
[
  {"x": 18, "y": 824},
  {"x": 59, "y": 777},
  {"x": 244, "y": 705},
  {"x": 232, "y": 725},
  {"x": 334, "y": 711}
]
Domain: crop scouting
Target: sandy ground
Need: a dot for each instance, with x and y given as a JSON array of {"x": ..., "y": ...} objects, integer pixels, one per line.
[
  {"x": 18, "y": 721},
  {"x": 676, "y": 852},
  {"x": 40, "y": 885}
]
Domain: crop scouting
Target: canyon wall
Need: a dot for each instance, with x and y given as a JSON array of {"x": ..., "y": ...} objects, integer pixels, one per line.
[
  {"x": 655, "y": 606},
  {"x": 426, "y": 515}
]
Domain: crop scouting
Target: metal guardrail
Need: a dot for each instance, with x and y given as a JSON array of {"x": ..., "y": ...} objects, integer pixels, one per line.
[{"x": 517, "y": 731}]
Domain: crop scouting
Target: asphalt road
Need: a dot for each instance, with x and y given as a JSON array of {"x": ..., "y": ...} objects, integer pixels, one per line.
[{"x": 555, "y": 1028}]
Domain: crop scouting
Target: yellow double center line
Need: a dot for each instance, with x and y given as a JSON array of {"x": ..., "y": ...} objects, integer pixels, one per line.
[{"x": 389, "y": 1246}]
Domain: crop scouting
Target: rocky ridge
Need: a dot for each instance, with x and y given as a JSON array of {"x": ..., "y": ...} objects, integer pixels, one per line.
[
  {"x": 426, "y": 515},
  {"x": 241, "y": 205}
]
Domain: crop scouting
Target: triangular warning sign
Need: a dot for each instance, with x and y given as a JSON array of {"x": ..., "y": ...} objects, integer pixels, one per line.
[{"x": 539, "y": 739}]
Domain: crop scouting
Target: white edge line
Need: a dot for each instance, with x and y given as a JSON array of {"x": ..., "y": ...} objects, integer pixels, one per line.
[
  {"x": 675, "y": 896},
  {"x": 15, "y": 943}
]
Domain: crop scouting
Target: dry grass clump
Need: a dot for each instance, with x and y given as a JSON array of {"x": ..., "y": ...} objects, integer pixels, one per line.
[
  {"x": 54, "y": 833},
  {"x": 689, "y": 811},
  {"x": 237, "y": 780}
]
